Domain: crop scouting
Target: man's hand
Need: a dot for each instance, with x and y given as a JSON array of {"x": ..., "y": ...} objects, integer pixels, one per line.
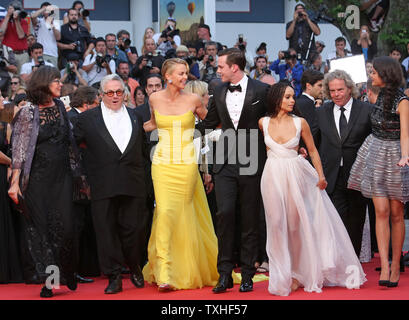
[
  {"x": 143, "y": 63},
  {"x": 208, "y": 183},
  {"x": 155, "y": 70}
]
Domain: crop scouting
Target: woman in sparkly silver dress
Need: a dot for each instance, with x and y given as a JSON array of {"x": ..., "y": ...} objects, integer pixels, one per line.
[{"x": 381, "y": 169}]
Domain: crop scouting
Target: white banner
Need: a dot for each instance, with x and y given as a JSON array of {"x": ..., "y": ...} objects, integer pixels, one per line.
[
  {"x": 232, "y": 5},
  {"x": 354, "y": 66}
]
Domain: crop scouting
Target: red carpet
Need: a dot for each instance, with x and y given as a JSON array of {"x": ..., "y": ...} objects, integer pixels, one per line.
[{"x": 95, "y": 291}]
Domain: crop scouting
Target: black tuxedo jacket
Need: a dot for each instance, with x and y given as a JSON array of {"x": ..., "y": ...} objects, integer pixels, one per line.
[
  {"x": 234, "y": 142},
  {"x": 110, "y": 172},
  {"x": 332, "y": 147},
  {"x": 305, "y": 107}
]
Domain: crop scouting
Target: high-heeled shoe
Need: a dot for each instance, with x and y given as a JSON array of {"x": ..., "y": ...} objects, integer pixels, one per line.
[
  {"x": 164, "y": 287},
  {"x": 393, "y": 284},
  {"x": 46, "y": 293}
]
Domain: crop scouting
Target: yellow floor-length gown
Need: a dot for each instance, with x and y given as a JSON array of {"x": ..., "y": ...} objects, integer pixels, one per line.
[{"x": 182, "y": 248}]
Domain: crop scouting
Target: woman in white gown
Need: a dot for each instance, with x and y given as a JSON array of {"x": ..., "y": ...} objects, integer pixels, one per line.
[{"x": 307, "y": 243}]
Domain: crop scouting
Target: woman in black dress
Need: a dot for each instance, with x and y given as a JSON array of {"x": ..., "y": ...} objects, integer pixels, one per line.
[
  {"x": 381, "y": 168},
  {"x": 41, "y": 144},
  {"x": 10, "y": 267}
]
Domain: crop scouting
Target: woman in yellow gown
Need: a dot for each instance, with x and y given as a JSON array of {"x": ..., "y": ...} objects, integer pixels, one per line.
[{"x": 182, "y": 249}]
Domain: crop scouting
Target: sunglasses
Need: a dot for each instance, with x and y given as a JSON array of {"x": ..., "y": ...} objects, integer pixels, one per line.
[
  {"x": 14, "y": 82},
  {"x": 118, "y": 93}
]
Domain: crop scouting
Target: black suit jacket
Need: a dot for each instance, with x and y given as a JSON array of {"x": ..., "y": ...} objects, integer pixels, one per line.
[
  {"x": 332, "y": 148},
  {"x": 305, "y": 108},
  {"x": 110, "y": 172},
  {"x": 239, "y": 143},
  {"x": 72, "y": 113}
]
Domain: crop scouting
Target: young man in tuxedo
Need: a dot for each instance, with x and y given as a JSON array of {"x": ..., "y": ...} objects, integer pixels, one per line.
[
  {"x": 238, "y": 103},
  {"x": 311, "y": 84},
  {"x": 115, "y": 157},
  {"x": 343, "y": 125}
]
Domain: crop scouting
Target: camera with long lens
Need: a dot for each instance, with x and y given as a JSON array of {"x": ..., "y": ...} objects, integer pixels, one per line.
[
  {"x": 148, "y": 57},
  {"x": 3, "y": 62},
  {"x": 41, "y": 61},
  {"x": 101, "y": 59},
  {"x": 242, "y": 47},
  {"x": 21, "y": 14},
  {"x": 78, "y": 47},
  {"x": 288, "y": 55},
  {"x": 84, "y": 12},
  {"x": 266, "y": 70},
  {"x": 169, "y": 32}
]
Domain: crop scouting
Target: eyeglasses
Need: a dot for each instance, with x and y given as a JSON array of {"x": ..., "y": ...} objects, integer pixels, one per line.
[
  {"x": 57, "y": 81},
  {"x": 14, "y": 82},
  {"x": 118, "y": 93}
]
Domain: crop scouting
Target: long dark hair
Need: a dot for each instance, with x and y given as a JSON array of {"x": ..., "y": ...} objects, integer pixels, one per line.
[
  {"x": 390, "y": 72},
  {"x": 275, "y": 97},
  {"x": 38, "y": 91}
]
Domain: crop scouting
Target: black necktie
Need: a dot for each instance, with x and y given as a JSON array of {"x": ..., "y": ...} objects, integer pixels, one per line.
[
  {"x": 235, "y": 88},
  {"x": 342, "y": 123}
]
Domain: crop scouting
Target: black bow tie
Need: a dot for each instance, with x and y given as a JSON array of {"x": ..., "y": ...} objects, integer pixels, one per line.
[{"x": 235, "y": 88}]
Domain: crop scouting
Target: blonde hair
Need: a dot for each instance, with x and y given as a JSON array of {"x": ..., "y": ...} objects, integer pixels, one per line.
[
  {"x": 196, "y": 86},
  {"x": 170, "y": 64},
  {"x": 145, "y": 37}
]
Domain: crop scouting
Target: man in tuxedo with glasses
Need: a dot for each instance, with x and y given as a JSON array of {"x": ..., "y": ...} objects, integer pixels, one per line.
[
  {"x": 238, "y": 103},
  {"x": 115, "y": 157}
]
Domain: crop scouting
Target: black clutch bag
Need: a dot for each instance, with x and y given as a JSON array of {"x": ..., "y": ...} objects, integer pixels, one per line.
[{"x": 21, "y": 205}]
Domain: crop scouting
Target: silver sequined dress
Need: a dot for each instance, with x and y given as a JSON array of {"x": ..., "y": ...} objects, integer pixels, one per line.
[{"x": 375, "y": 172}]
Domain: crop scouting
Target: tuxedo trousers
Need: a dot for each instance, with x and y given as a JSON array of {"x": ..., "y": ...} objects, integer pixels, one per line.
[
  {"x": 120, "y": 226},
  {"x": 351, "y": 206},
  {"x": 234, "y": 190}
]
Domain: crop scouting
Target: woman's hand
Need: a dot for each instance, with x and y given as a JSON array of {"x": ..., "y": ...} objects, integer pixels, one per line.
[
  {"x": 14, "y": 192},
  {"x": 404, "y": 161},
  {"x": 322, "y": 183}
]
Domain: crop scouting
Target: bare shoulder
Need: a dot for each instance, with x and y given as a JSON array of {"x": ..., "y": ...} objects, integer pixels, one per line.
[{"x": 260, "y": 123}]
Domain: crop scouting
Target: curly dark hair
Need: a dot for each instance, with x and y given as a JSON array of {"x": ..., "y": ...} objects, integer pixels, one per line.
[
  {"x": 275, "y": 97},
  {"x": 38, "y": 91},
  {"x": 390, "y": 71}
]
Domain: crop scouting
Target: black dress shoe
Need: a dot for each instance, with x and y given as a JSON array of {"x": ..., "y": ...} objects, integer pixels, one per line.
[
  {"x": 72, "y": 282},
  {"x": 46, "y": 293},
  {"x": 246, "y": 285},
  {"x": 84, "y": 280},
  {"x": 137, "y": 278},
  {"x": 115, "y": 285},
  {"x": 224, "y": 283}
]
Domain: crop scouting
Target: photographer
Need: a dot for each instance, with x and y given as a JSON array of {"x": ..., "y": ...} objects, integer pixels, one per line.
[
  {"x": 151, "y": 62},
  {"x": 97, "y": 65},
  {"x": 290, "y": 70},
  {"x": 83, "y": 15},
  {"x": 124, "y": 43},
  {"x": 15, "y": 29},
  {"x": 182, "y": 52},
  {"x": 242, "y": 45},
  {"x": 208, "y": 65},
  {"x": 74, "y": 37},
  {"x": 7, "y": 65},
  {"x": 27, "y": 69},
  {"x": 113, "y": 51},
  {"x": 47, "y": 31},
  {"x": 71, "y": 73},
  {"x": 169, "y": 38},
  {"x": 299, "y": 32},
  {"x": 364, "y": 45},
  {"x": 260, "y": 68}
]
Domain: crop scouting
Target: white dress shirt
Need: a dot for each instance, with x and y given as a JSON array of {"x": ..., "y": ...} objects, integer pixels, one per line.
[
  {"x": 119, "y": 125},
  {"x": 337, "y": 116},
  {"x": 308, "y": 96},
  {"x": 235, "y": 101}
]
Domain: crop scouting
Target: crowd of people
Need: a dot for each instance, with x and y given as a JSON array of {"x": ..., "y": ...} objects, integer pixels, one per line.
[{"x": 178, "y": 165}]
